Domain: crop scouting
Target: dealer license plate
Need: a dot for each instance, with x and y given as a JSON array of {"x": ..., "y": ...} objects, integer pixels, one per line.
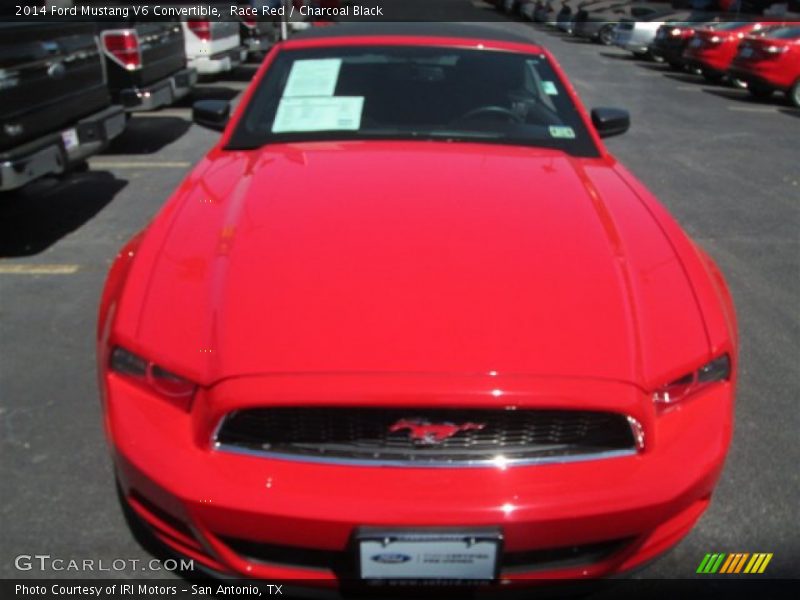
[
  {"x": 419, "y": 555},
  {"x": 696, "y": 43},
  {"x": 746, "y": 52},
  {"x": 70, "y": 139}
]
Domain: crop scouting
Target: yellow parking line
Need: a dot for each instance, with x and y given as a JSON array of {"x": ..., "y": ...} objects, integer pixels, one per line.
[
  {"x": 38, "y": 269},
  {"x": 140, "y": 165}
]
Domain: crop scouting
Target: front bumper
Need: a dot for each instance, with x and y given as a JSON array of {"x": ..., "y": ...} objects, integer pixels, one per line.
[
  {"x": 633, "y": 41},
  {"x": 766, "y": 74},
  {"x": 267, "y": 518},
  {"x": 220, "y": 62},
  {"x": 589, "y": 30},
  {"x": 712, "y": 60},
  {"x": 670, "y": 50},
  {"x": 163, "y": 93},
  {"x": 54, "y": 153}
]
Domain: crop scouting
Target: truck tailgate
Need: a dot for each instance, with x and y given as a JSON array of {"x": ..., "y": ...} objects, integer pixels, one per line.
[{"x": 51, "y": 74}]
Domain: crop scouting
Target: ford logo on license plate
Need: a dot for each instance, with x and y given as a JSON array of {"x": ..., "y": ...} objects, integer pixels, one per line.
[{"x": 391, "y": 558}]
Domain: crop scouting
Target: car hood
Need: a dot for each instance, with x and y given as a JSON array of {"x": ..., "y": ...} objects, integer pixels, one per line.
[{"x": 409, "y": 257}]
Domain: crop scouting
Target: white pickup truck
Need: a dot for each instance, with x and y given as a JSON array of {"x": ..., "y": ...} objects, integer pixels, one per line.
[{"x": 213, "y": 46}]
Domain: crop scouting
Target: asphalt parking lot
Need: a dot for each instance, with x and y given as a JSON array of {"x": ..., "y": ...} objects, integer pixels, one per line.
[{"x": 726, "y": 167}]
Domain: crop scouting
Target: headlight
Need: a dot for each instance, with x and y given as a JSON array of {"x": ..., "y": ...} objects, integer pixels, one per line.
[
  {"x": 718, "y": 369},
  {"x": 153, "y": 376}
]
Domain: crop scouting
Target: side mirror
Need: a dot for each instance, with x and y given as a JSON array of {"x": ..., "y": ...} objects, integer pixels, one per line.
[
  {"x": 213, "y": 114},
  {"x": 610, "y": 121}
]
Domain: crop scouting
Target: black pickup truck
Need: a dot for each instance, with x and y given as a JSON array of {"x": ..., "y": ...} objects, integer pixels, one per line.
[
  {"x": 146, "y": 63},
  {"x": 55, "y": 105}
]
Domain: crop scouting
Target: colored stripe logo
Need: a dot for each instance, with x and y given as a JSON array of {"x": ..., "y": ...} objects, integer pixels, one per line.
[{"x": 734, "y": 564}]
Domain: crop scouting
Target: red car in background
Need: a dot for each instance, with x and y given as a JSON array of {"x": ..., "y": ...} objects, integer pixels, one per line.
[
  {"x": 770, "y": 63},
  {"x": 671, "y": 41},
  {"x": 711, "y": 50},
  {"x": 410, "y": 308}
]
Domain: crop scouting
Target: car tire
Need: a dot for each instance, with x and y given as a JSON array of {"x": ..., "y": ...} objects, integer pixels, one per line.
[
  {"x": 606, "y": 35},
  {"x": 678, "y": 66},
  {"x": 794, "y": 94},
  {"x": 711, "y": 76},
  {"x": 759, "y": 91}
]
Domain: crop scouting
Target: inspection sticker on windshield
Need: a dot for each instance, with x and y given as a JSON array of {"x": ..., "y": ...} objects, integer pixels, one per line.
[
  {"x": 562, "y": 131},
  {"x": 549, "y": 88},
  {"x": 315, "y": 77},
  {"x": 334, "y": 113}
]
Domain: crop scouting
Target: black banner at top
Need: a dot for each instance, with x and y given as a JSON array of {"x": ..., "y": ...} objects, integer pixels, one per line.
[{"x": 31, "y": 11}]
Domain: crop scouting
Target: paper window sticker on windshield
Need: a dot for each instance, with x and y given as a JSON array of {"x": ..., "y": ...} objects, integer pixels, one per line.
[
  {"x": 334, "y": 113},
  {"x": 549, "y": 88},
  {"x": 313, "y": 77},
  {"x": 562, "y": 131}
]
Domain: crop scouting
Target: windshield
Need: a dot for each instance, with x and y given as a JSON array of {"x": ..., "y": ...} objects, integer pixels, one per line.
[
  {"x": 785, "y": 33},
  {"x": 411, "y": 92},
  {"x": 731, "y": 26}
]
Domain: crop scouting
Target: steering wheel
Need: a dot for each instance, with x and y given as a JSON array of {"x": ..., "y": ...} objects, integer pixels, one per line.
[{"x": 491, "y": 110}]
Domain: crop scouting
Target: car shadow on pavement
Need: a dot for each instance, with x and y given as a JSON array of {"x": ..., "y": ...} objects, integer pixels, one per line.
[
  {"x": 147, "y": 135},
  {"x": 208, "y": 92},
  {"x": 577, "y": 40},
  {"x": 656, "y": 66},
  {"x": 685, "y": 78},
  {"x": 743, "y": 97},
  {"x": 792, "y": 112},
  {"x": 619, "y": 56},
  {"x": 36, "y": 217},
  {"x": 242, "y": 73}
]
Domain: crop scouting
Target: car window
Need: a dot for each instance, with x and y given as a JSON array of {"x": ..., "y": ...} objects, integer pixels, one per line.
[
  {"x": 412, "y": 92},
  {"x": 785, "y": 33},
  {"x": 732, "y": 26}
]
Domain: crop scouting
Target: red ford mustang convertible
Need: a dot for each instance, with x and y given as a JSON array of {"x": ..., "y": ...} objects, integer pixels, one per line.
[{"x": 410, "y": 320}]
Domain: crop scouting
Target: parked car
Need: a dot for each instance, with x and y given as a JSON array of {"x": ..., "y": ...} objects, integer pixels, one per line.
[
  {"x": 597, "y": 22},
  {"x": 711, "y": 50},
  {"x": 585, "y": 26},
  {"x": 770, "y": 63},
  {"x": 55, "y": 105},
  {"x": 545, "y": 12},
  {"x": 672, "y": 38},
  {"x": 527, "y": 342},
  {"x": 146, "y": 63},
  {"x": 257, "y": 36},
  {"x": 213, "y": 46},
  {"x": 636, "y": 35}
]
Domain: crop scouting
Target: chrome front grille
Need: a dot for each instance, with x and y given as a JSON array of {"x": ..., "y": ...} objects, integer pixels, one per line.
[{"x": 426, "y": 437}]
